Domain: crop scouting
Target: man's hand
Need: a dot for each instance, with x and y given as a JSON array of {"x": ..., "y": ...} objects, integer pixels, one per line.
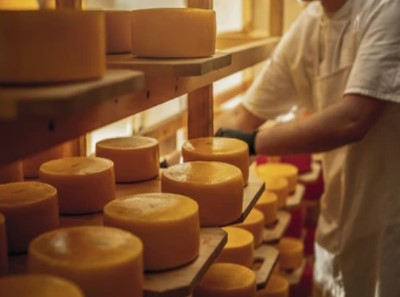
[{"x": 248, "y": 137}]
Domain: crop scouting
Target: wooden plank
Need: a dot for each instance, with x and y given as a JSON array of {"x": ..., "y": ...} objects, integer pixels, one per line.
[
  {"x": 274, "y": 234},
  {"x": 200, "y": 112},
  {"x": 276, "y": 17},
  {"x": 294, "y": 277},
  {"x": 268, "y": 256},
  {"x": 311, "y": 177},
  {"x": 296, "y": 198}
]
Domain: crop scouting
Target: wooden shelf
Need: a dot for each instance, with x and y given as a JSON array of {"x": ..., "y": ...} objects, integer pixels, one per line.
[
  {"x": 295, "y": 276},
  {"x": 274, "y": 234},
  {"x": 268, "y": 257},
  {"x": 295, "y": 199},
  {"x": 170, "y": 67},
  {"x": 313, "y": 175}
]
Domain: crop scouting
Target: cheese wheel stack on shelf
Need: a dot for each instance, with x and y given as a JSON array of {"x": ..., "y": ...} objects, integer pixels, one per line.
[
  {"x": 291, "y": 253},
  {"x": 274, "y": 170},
  {"x": 135, "y": 158},
  {"x": 277, "y": 185},
  {"x": 3, "y": 247},
  {"x": 268, "y": 205},
  {"x": 30, "y": 209},
  {"x": 84, "y": 184},
  {"x": 228, "y": 150},
  {"x": 11, "y": 172},
  {"x": 277, "y": 286},
  {"x": 118, "y": 32},
  {"x": 102, "y": 261},
  {"x": 217, "y": 187},
  {"x": 167, "y": 224},
  {"x": 254, "y": 223}
]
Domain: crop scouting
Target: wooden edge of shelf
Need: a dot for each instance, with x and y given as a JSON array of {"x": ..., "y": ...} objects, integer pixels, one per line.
[
  {"x": 275, "y": 233},
  {"x": 313, "y": 175},
  {"x": 296, "y": 198},
  {"x": 295, "y": 276},
  {"x": 269, "y": 257}
]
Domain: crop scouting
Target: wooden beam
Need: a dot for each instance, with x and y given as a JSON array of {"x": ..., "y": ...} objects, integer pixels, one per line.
[
  {"x": 200, "y": 112},
  {"x": 276, "y": 17}
]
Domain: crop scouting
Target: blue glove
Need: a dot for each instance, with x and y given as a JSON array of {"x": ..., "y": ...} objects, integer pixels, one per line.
[{"x": 248, "y": 137}]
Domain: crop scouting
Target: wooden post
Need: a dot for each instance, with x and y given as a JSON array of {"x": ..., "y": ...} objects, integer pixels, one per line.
[
  {"x": 200, "y": 112},
  {"x": 276, "y": 17}
]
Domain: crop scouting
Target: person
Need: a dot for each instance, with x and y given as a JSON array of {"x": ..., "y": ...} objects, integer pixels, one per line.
[{"x": 340, "y": 61}]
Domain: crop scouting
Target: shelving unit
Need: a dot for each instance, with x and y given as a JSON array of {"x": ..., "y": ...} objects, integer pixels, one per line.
[
  {"x": 274, "y": 233},
  {"x": 268, "y": 256}
]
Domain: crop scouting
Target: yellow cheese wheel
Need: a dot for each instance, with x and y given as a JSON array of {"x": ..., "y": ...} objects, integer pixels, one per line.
[
  {"x": 48, "y": 39},
  {"x": 217, "y": 187},
  {"x": 11, "y": 172},
  {"x": 254, "y": 223},
  {"x": 102, "y": 261},
  {"x": 18, "y": 4},
  {"x": 30, "y": 208},
  {"x": 135, "y": 158},
  {"x": 268, "y": 205},
  {"x": 118, "y": 32},
  {"x": 279, "y": 186},
  {"x": 84, "y": 184},
  {"x": 3, "y": 247},
  {"x": 290, "y": 253},
  {"x": 32, "y": 164},
  {"x": 239, "y": 249},
  {"x": 228, "y": 150},
  {"x": 227, "y": 280},
  {"x": 167, "y": 224},
  {"x": 288, "y": 171},
  {"x": 173, "y": 32},
  {"x": 38, "y": 285},
  {"x": 277, "y": 286}
]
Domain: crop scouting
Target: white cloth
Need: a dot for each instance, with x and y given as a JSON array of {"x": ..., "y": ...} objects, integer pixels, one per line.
[{"x": 320, "y": 59}]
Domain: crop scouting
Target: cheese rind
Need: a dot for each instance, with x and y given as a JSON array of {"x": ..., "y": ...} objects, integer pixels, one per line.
[
  {"x": 167, "y": 224},
  {"x": 268, "y": 205},
  {"x": 30, "y": 209},
  {"x": 11, "y": 172},
  {"x": 173, "y": 32},
  {"x": 228, "y": 150},
  {"x": 277, "y": 286},
  {"x": 84, "y": 184},
  {"x": 254, "y": 223},
  {"x": 290, "y": 253},
  {"x": 217, "y": 187},
  {"x": 118, "y": 32},
  {"x": 288, "y": 171},
  {"x": 3, "y": 247},
  {"x": 103, "y": 261},
  {"x": 135, "y": 158}
]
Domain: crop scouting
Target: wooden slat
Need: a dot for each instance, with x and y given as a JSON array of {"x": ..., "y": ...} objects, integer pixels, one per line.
[
  {"x": 296, "y": 198},
  {"x": 274, "y": 234},
  {"x": 200, "y": 112},
  {"x": 268, "y": 256}
]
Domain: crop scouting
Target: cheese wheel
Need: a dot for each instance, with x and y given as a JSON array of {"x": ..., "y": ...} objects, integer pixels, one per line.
[
  {"x": 228, "y": 150},
  {"x": 3, "y": 247},
  {"x": 84, "y": 184},
  {"x": 48, "y": 39},
  {"x": 173, "y": 32},
  {"x": 254, "y": 223},
  {"x": 118, "y": 32},
  {"x": 277, "y": 286},
  {"x": 167, "y": 224},
  {"x": 18, "y": 5},
  {"x": 217, "y": 187},
  {"x": 239, "y": 248},
  {"x": 30, "y": 209},
  {"x": 32, "y": 164},
  {"x": 284, "y": 170},
  {"x": 227, "y": 280},
  {"x": 102, "y": 261},
  {"x": 11, "y": 172},
  {"x": 268, "y": 205},
  {"x": 290, "y": 253},
  {"x": 279, "y": 186},
  {"x": 135, "y": 158}
]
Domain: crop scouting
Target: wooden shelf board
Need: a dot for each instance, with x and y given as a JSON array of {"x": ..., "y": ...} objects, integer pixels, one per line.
[
  {"x": 269, "y": 257},
  {"x": 295, "y": 276},
  {"x": 313, "y": 175},
  {"x": 295, "y": 199},
  {"x": 275, "y": 233}
]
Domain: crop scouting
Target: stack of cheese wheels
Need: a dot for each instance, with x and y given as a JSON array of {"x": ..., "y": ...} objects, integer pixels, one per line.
[
  {"x": 268, "y": 205},
  {"x": 48, "y": 56},
  {"x": 227, "y": 280},
  {"x": 239, "y": 249},
  {"x": 287, "y": 171},
  {"x": 32, "y": 164},
  {"x": 254, "y": 223},
  {"x": 118, "y": 32},
  {"x": 135, "y": 158},
  {"x": 3, "y": 247},
  {"x": 170, "y": 32},
  {"x": 277, "y": 286},
  {"x": 217, "y": 187},
  {"x": 102, "y": 261},
  {"x": 167, "y": 224},
  {"x": 38, "y": 285},
  {"x": 278, "y": 186},
  {"x": 84, "y": 184},
  {"x": 11, "y": 172},
  {"x": 228, "y": 150},
  {"x": 30, "y": 209},
  {"x": 290, "y": 253}
]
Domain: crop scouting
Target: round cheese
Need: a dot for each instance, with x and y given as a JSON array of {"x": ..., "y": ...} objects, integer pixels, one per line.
[
  {"x": 290, "y": 253},
  {"x": 170, "y": 32},
  {"x": 135, "y": 158},
  {"x": 254, "y": 223},
  {"x": 268, "y": 205},
  {"x": 102, "y": 261},
  {"x": 38, "y": 285},
  {"x": 11, "y": 172},
  {"x": 277, "y": 286},
  {"x": 227, "y": 280},
  {"x": 30, "y": 209},
  {"x": 3, "y": 247},
  {"x": 228, "y": 150},
  {"x": 284, "y": 170},
  {"x": 118, "y": 32},
  {"x": 167, "y": 224},
  {"x": 239, "y": 249},
  {"x": 84, "y": 184},
  {"x": 279, "y": 186},
  {"x": 217, "y": 187},
  {"x": 48, "y": 39}
]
